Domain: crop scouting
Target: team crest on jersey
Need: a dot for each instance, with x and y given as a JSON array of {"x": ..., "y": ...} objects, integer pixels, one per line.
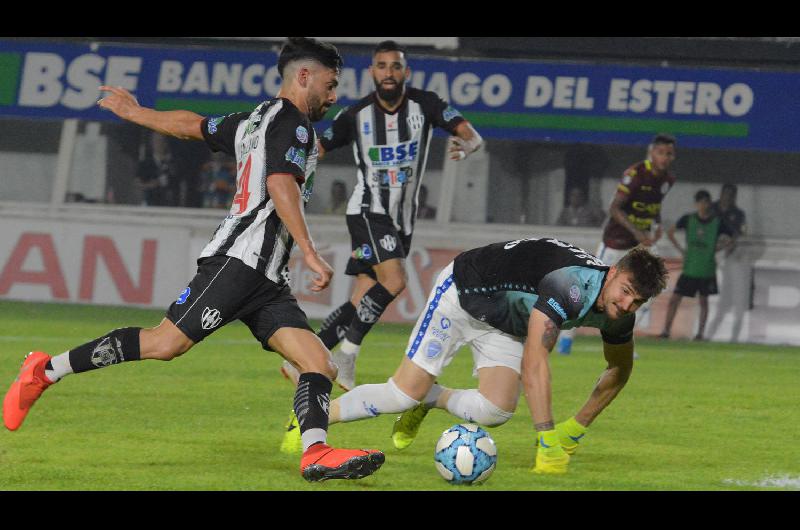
[
  {"x": 297, "y": 157},
  {"x": 301, "y": 133},
  {"x": 328, "y": 134},
  {"x": 415, "y": 121},
  {"x": 210, "y": 319},
  {"x": 434, "y": 348},
  {"x": 575, "y": 293},
  {"x": 388, "y": 242}
]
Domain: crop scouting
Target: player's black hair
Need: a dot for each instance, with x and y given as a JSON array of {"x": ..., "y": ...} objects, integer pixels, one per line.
[
  {"x": 389, "y": 46},
  {"x": 702, "y": 195},
  {"x": 663, "y": 138},
  {"x": 730, "y": 187},
  {"x": 296, "y": 48},
  {"x": 648, "y": 272}
]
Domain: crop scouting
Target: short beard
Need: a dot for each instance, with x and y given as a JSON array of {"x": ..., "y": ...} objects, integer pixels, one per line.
[{"x": 391, "y": 95}]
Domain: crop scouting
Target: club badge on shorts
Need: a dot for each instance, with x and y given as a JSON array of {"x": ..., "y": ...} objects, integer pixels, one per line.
[
  {"x": 388, "y": 242},
  {"x": 211, "y": 318}
]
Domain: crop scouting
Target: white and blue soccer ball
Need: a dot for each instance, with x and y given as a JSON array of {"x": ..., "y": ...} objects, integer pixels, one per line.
[{"x": 465, "y": 454}]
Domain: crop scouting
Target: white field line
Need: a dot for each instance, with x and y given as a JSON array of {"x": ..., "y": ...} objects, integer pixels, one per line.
[{"x": 780, "y": 481}]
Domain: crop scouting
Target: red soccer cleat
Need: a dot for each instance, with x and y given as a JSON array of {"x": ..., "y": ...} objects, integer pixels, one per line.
[
  {"x": 25, "y": 390},
  {"x": 322, "y": 462}
]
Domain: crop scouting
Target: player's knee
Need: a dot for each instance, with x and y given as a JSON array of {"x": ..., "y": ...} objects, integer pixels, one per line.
[
  {"x": 398, "y": 400},
  {"x": 490, "y": 414}
]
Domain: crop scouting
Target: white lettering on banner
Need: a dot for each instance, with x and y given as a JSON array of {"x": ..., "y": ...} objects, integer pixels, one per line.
[
  {"x": 496, "y": 90},
  {"x": 565, "y": 93},
  {"x": 42, "y": 84},
  {"x": 466, "y": 88},
  {"x": 196, "y": 79},
  {"x": 226, "y": 76},
  {"x": 679, "y": 97},
  {"x": 169, "y": 76}
]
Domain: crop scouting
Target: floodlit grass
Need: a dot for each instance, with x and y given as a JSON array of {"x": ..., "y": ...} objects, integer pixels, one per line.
[{"x": 693, "y": 417}]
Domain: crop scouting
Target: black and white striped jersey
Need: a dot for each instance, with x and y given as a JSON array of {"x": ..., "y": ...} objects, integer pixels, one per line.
[
  {"x": 391, "y": 151},
  {"x": 275, "y": 138}
]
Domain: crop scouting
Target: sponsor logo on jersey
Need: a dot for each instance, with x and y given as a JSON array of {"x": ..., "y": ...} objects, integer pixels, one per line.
[
  {"x": 391, "y": 155},
  {"x": 395, "y": 177},
  {"x": 362, "y": 252},
  {"x": 183, "y": 296},
  {"x": 297, "y": 157},
  {"x": 391, "y": 123},
  {"x": 366, "y": 128},
  {"x": 388, "y": 242},
  {"x": 555, "y": 305},
  {"x": 301, "y": 133},
  {"x": 104, "y": 354},
  {"x": 328, "y": 134},
  {"x": 433, "y": 349},
  {"x": 450, "y": 113},
  {"x": 439, "y": 334},
  {"x": 213, "y": 122},
  {"x": 210, "y": 319},
  {"x": 575, "y": 293}
]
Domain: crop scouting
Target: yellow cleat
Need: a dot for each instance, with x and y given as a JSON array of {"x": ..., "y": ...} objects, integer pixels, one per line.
[
  {"x": 292, "y": 442},
  {"x": 550, "y": 456},
  {"x": 406, "y": 426},
  {"x": 570, "y": 433}
]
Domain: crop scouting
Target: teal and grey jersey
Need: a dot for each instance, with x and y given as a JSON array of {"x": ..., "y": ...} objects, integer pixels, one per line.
[
  {"x": 501, "y": 284},
  {"x": 390, "y": 150}
]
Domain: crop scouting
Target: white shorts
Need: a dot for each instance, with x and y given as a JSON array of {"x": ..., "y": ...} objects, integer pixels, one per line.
[
  {"x": 608, "y": 255},
  {"x": 444, "y": 327}
]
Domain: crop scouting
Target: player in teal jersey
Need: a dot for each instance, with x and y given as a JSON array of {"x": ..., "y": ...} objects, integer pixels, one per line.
[{"x": 705, "y": 235}]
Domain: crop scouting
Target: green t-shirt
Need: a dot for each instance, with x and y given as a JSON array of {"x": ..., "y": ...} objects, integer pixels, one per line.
[{"x": 701, "y": 244}]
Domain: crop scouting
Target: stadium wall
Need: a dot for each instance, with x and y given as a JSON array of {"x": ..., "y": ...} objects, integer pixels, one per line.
[{"x": 91, "y": 254}]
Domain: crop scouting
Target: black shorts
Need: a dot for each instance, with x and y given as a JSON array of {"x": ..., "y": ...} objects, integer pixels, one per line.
[
  {"x": 373, "y": 239},
  {"x": 688, "y": 286},
  {"x": 225, "y": 289}
]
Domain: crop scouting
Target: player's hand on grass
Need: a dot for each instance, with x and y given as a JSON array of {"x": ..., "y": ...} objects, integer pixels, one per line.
[
  {"x": 119, "y": 101},
  {"x": 551, "y": 458},
  {"x": 323, "y": 272}
]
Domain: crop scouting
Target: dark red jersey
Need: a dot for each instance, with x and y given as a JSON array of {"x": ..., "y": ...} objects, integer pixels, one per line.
[{"x": 644, "y": 191}]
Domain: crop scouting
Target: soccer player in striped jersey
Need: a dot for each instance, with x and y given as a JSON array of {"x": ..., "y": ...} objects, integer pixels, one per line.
[
  {"x": 635, "y": 212},
  {"x": 508, "y": 302},
  {"x": 390, "y": 131},
  {"x": 242, "y": 272}
]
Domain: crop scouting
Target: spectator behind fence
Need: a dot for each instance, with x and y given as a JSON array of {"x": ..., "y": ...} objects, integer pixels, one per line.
[
  {"x": 425, "y": 211},
  {"x": 218, "y": 180},
  {"x": 156, "y": 171},
  {"x": 736, "y": 274},
  {"x": 579, "y": 212},
  {"x": 338, "y": 203}
]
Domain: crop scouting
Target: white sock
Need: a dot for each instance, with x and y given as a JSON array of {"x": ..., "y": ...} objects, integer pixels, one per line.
[
  {"x": 349, "y": 348},
  {"x": 61, "y": 367},
  {"x": 433, "y": 395},
  {"x": 367, "y": 401},
  {"x": 312, "y": 436}
]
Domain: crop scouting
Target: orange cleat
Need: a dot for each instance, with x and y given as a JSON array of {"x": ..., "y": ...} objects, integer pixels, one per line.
[
  {"x": 323, "y": 462},
  {"x": 25, "y": 390}
]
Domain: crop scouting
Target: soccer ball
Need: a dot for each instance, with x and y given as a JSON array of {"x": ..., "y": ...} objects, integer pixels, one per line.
[{"x": 465, "y": 454}]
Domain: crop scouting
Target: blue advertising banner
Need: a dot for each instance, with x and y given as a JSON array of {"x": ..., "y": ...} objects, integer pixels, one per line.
[{"x": 526, "y": 100}]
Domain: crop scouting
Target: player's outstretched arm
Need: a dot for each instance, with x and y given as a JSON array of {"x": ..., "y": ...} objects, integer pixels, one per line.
[
  {"x": 181, "y": 124},
  {"x": 465, "y": 142},
  {"x": 285, "y": 195},
  {"x": 611, "y": 382},
  {"x": 542, "y": 336}
]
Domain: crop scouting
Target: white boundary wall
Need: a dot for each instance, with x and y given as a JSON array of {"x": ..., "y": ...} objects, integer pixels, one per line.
[{"x": 144, "y": 257}]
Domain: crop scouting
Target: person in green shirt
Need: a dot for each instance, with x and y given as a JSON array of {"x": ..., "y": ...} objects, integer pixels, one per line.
[{"x": 705, "y": 235}]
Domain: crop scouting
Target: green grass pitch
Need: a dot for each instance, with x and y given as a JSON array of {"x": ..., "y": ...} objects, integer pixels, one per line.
[{"x": 693, "y": 417}]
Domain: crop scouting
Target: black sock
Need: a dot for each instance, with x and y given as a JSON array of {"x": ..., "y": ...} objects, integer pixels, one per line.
[
  {"x": 369, "y": 310},
  {"x": 335, "y": 325},
  {"x": 312, "y": 404},
  {"x": 117, "y": 346}
]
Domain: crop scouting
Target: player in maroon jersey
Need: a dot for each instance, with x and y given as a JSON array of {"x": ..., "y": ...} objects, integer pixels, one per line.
[{"x": 635, "y": 212}]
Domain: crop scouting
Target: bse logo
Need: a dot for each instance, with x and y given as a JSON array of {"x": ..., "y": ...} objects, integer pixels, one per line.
[
  {"x": 211, "y": 318},
  {"x": 388, "y": 242},
  {"x": 392, "y": 155}
]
